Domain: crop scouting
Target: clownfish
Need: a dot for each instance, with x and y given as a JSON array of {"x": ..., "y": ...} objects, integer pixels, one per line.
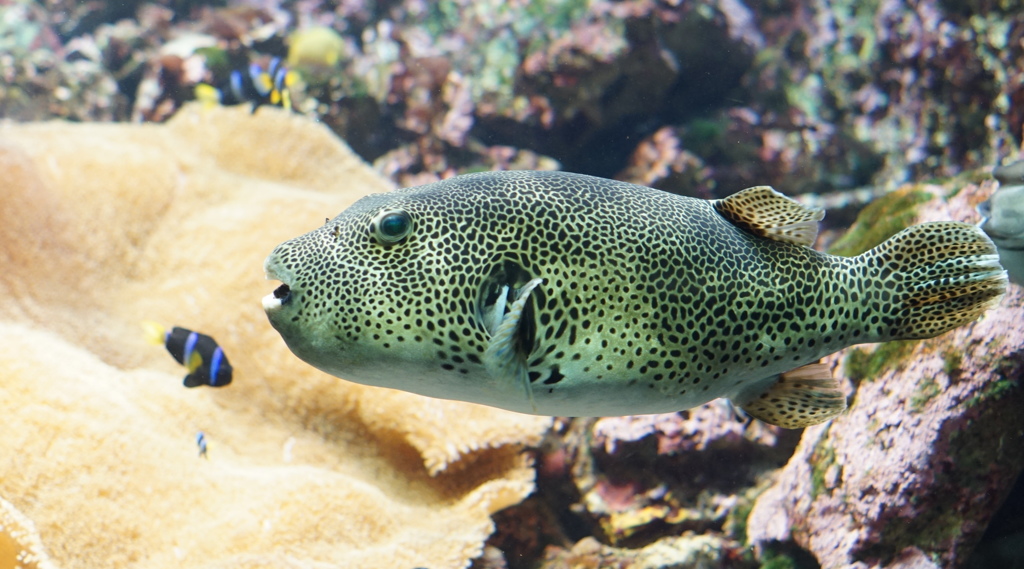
[{"x": 199, "y": 353}]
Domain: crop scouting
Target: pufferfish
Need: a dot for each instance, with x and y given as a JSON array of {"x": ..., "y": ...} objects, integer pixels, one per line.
[{"x": 562, "y": 294}]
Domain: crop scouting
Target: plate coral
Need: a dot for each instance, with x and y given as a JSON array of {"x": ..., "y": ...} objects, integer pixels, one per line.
[{"x": 103, "y": 226}]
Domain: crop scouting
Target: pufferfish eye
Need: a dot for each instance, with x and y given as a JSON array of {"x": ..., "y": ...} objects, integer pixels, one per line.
[{"x": 391, "y": 226}]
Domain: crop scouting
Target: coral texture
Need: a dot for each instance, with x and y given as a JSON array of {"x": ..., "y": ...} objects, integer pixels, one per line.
[
  {"x": 103, "y": 226},
  {"x": 20, "y": 546},
  {"x": 930, "y": 447}
]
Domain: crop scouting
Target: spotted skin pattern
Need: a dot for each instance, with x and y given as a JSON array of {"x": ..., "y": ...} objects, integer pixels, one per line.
[{"x": 647, "y": 302}]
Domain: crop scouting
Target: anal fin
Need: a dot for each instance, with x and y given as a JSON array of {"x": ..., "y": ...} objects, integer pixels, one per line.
[
  {"x": 799, "y": 398},
  {"x": 766, "y": 213}
]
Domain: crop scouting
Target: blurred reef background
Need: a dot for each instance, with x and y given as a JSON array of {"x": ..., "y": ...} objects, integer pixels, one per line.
[
  {"x": 700, "y": 97},
  {"x": 903, "y": 105}
]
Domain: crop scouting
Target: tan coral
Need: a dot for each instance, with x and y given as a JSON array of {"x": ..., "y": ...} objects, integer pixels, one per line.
[
  {"x": 102, "y": 226},
  {"x": 20, "y": 546}
]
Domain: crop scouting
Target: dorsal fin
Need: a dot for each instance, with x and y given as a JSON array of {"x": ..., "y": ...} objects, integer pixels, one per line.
[
  {"x": 805, "y": 396},
  {"x": 767, "y": 213}
]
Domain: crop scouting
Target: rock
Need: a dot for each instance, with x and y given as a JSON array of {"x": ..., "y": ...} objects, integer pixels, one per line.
[
  {"x": 677, "y": 552},
  {"x": 102, "y": 226},
  {"x": 642, "y": 478},
  {"x": 930, "y": 447},
  {"x": 692, "y": 430}
]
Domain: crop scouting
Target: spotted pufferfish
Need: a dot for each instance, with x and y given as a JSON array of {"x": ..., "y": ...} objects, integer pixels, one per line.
[{"x": 562, "y": 294}]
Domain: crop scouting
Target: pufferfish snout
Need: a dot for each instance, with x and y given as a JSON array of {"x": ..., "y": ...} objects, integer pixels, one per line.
[
  {"x": 281, "y": 295},
  {"x": 296, "y": 306},
  {"x": 563, "y": 294}
]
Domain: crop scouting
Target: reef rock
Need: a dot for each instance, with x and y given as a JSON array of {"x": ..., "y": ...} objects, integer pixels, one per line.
[
  {"x": 686, "y": 550},
  {"x": 102, "y": 226},
  {"x": 931, "y": 444},
  {"x": 636, "y": 481}
]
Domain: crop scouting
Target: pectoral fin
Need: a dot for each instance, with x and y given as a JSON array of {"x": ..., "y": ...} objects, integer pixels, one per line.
[
  {"x": 799, "y": 398},
  {"x": 767, "y": 213},
  {"x": 193, "y": 362},
  {"x": 506, "y": 353}
]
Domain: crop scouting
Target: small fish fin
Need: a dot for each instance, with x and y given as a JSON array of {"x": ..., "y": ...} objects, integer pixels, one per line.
[
  {"x": 237, "y": 86},
  {"x": 154, "y": 333},
  {"x": 767, "y": 213},
  {"x": 196, "y": 378},
  {"x": 261, "y": 80},
  {"x": 504, "y": 356},
  {"x": 194, "y": 361},
  {"x": 942, "y": 274},
  {"x": 208, "y": 95},
  {"x": 802, "y": 397},
  {"x": 291, "y": 78}
]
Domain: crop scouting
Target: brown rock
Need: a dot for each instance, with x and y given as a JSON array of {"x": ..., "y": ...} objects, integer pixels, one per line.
[{"x": 686, "y": 550}]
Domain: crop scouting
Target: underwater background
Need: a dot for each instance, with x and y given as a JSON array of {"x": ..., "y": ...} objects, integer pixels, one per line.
[{"x": 152, "y": 154}]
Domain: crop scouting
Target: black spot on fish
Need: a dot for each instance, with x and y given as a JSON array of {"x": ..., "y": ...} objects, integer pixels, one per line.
[{"x": 555, "y": 376}]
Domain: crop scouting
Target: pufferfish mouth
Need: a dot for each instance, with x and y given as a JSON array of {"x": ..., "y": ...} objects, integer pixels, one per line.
[{"x": 282, "y": 295}]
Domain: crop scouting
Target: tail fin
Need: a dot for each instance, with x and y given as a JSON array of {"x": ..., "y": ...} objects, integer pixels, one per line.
[
  {"x": 154, "y": 333},
  {"x": 941, "y": 274}
]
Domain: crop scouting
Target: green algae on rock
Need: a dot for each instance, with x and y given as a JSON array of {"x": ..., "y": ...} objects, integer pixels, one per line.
[
  {"x": 865, "y": 363},
  {"x": 880, "y": 220}
]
